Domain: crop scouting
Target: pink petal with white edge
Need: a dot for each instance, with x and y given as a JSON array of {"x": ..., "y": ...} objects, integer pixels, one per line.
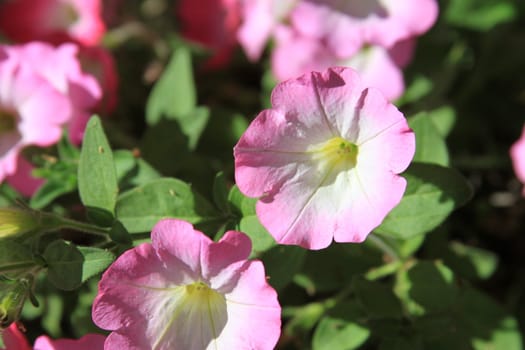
[
  {"x": 175, "y": 294},
  {"x": 304, "y": 201}
]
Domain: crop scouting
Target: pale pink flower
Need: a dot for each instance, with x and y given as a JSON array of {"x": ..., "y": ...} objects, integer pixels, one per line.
[
  {"x": 14, "y": 339},
  {"x": 184, "y": 291},
  {"x": 212, "y": 23},
  {"x": 324, "y": 160},
  {"x": 379, "y": 67},
  {"x": 61, "y": 67},
  {"x": 260, "y": 18},
  {"x": 32, "y": 111},
  {"x": 517, "y": 154},
  {"x": 346, "y": 26},
  {"x": 87, "y": 342},
  {"x": 52, "y": 20}
]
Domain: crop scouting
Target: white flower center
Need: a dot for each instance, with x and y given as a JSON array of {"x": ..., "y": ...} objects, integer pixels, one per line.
[{"x": 195, "y": 314}]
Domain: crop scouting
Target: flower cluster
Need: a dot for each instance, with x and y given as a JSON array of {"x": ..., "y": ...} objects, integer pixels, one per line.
[
  {"x": 374, "y": 37},
  {"x": 56, "y": 63}
]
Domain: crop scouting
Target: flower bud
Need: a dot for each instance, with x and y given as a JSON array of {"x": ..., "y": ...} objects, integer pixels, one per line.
[
  {"x": 12, "y": 298},
  {"x": 15, "y": 222}
]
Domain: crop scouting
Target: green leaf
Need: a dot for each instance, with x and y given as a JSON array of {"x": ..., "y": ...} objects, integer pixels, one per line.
[
  {"x": 220, "y": 193},
  {"x": 377, "y": 299},
  {"x": 261, "y": 239},
  {"x": 483, "y": 262},
  {"x": 173, "y": 96},
  {"x": 14, "y": 254},
  {"x": 480, "y": 15},
  {"x": 65, "y": 265},
  {"x": 282, "y": 263},
  {"x": 142, "y": 207},
  {"x": 432, "y": 193},
  {"x": 492, "y": 327},
  {"x": 443, "y": 118},
  {"x": 97, "y": 177},
  {"x": 95, "y": 261},
  {"x": 240, "y": 203},
  {"x": 418, "y": 88},
  {"x": 132, "y": 171},
  {"x": 426, "y": 287},
  {"x": 338, "y": 334},
  {"x": 430, "y": 144}
]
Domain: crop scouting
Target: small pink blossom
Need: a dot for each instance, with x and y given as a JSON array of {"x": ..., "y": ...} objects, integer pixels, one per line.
[
  {"x": 212, "y": 23},
  {"x": 184, "y": 291},
  {"x": 52, "y": 20},
  {"x": 87, "y": 342},
  {"x": 517, "y": 154},
  {"x": 14, "y": 339},
  {"x": 324, "y": 161}
]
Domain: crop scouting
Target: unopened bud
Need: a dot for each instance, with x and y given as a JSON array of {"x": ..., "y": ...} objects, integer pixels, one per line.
[
  {"x": 12, "y": 297},
  {"x": 15, "y": 222}
]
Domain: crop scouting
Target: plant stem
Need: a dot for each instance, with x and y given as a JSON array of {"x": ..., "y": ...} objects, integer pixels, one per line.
[{"x": 383, "y": 246}]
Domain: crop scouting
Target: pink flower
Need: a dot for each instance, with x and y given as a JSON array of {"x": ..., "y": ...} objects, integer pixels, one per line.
[
  {"x": 52, "y": 20},
  {"x": 184, "y": 291},
  {"x": 212, "y": 23},
  {"x": 325, "y": 160},
  {"x": 61, "y": 68},
  {"x": 260, "y": 18},
  {"x": 379, "y": 67},
  {"x": 22, "y": 180},
  {"x": 32, "y": 111},
  {"x": 99, "y": 63},
  {"x": 346, "y": 26},
  {"x": 517, "y": 154},
  {"x": 87, "y": 342},
  {"x": 14, "y": 339}
]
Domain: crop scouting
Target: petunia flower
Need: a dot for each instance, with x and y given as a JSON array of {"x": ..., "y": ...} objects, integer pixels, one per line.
[
  {"x": 324, "y": 160},
  {"x": 184, "y": 291},
  {"x": 347, "y": 26},
  {"x": 23, "y": 180},
  {"x": 32, "y": 111},
  {"x": 295, "y": 54},
  {"x": 52, "y": 20},
  {"x": 87, "y": 342},
  {"x": 60, "y": 66},
  {"x": 517, "y": 155},
  {"x": 212, "y": 23},
  {"x": 260, "y": 19}
]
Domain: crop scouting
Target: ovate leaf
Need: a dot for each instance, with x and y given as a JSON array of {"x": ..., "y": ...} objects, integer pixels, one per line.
[
  {"x": 432, "y": 193},
  {"x": 97, "y": 178}
]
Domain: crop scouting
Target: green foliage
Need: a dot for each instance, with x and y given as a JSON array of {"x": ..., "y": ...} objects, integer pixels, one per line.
[
  {"x": 480, "y": 15},
  {"x": 97, "y": 178},
  {"x": 432, "y": 193},
  {"x": 142, "y": 207}
]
